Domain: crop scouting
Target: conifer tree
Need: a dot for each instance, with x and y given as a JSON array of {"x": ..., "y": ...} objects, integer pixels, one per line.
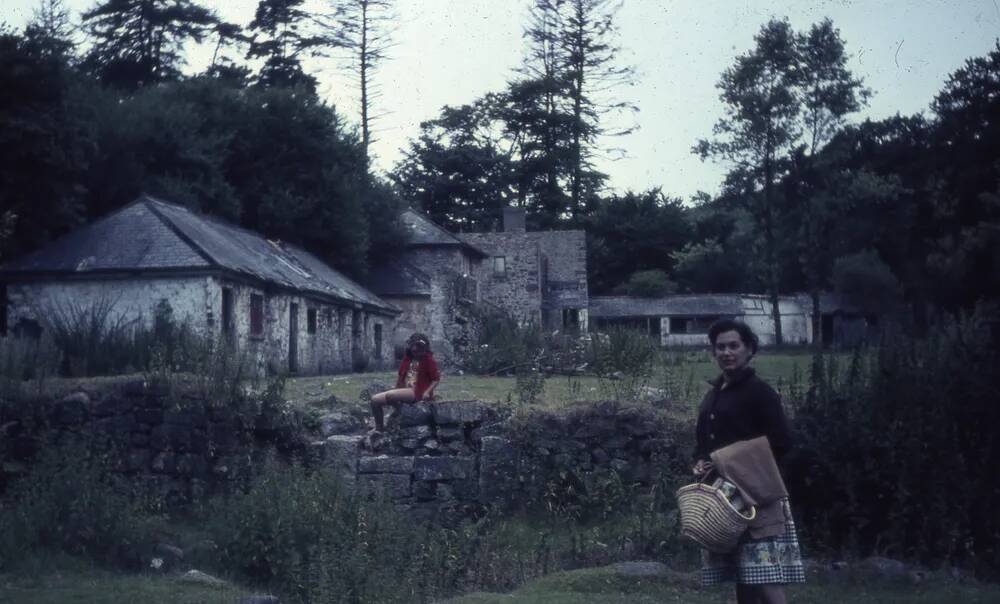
[
  {"x": 139, "y": 42},
  {"x": 284, "y": 33}
]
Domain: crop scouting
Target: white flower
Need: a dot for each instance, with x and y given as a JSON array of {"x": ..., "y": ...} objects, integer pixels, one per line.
[{"x": 156, "y": 563}]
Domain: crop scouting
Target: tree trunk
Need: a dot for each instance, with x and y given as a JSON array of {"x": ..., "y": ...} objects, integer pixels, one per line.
[
  {"x": 365, "y": 133},
  {"x": 771, "y": 251},
  {"x": 817, "y": 319}
]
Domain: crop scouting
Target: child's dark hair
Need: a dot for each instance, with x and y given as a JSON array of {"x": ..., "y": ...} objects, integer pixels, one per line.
[
  {"x": 413, "y": 339},
  {"x": 749, "y": 338}
]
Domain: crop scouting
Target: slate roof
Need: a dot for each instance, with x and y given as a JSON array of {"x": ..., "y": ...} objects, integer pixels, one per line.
[
  {"x": 713, "y": 305},
  {"x": 152, "y": 235},
  {"x": 423, "y": 232},
  {"x": 398, "y": 278}
]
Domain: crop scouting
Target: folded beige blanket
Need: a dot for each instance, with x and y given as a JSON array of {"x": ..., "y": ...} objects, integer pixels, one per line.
[{"x": 750, "y": 465}]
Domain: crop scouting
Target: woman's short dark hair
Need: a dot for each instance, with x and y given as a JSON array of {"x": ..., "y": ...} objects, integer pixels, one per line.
[{"x": 749, "y": 338}]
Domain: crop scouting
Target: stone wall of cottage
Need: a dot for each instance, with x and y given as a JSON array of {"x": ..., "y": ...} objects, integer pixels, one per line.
[
  {"x": 197, "y": 302},
  {"x": 444, "y": 317},
  {"x": 564, "y": 260},
  {"x": 127, "y": 300},
  {"x": 518, "y": 288}
]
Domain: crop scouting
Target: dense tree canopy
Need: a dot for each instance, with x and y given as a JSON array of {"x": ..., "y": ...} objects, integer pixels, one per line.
[{"x": 907, "y": 206}]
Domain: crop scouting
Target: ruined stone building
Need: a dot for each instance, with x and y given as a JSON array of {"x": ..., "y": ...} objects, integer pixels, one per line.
[
  {"x": 441, "y": 280},
  {"x": 282, "y": 306}
]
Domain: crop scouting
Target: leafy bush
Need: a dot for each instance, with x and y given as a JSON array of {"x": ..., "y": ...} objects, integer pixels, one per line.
[
  {"x": 299, "y": 532},
  {"x": 624, "y": 360},
  {"x": 504, "y": 345},
  {"x": 72, "y": 502},
  {"x": 647, "y": 284},
  {"x": 900, "y": 453}
]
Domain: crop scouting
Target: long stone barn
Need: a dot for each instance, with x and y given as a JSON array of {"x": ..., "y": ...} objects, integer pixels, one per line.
[
  {"x": 282, "y": 306},
  {"x": 683, "y": 320}
]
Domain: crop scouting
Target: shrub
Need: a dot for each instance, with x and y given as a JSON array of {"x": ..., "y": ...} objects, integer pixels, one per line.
[
  {"x": 624, "y": 361},
  {"x": 504, "y": 345},
  {"x": 72, "y": 502},
  {"x": 899, "y": 453}
]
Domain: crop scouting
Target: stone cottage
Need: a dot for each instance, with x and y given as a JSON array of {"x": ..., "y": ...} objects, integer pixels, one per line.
[
  {"x": 279, "y": 304},
  {"x": 440, "y": 279}
]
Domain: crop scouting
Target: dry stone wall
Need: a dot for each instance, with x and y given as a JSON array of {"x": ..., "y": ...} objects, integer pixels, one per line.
[
  {"x": 183, "y": 446},
  {"x": 450, "y": 459}
]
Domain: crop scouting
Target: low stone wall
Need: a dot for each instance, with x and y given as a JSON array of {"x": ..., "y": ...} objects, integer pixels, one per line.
[
  {"x": 182, "y": 445},
  {"x": 438, "y": 461},
  {"x": 426, "y": 463},
  {"x": 457, "y": 457}
]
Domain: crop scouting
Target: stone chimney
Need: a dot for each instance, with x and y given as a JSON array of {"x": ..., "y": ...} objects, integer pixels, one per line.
[{"x": 513, "y": 220}]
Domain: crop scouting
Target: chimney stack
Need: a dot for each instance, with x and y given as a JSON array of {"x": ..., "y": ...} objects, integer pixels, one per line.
[{"x": 513, "y": 220}]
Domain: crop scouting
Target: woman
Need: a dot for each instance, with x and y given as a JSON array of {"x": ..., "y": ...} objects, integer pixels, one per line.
[
  {"x": 417, "y": 378},
  {"x": 739, "y": 407}
]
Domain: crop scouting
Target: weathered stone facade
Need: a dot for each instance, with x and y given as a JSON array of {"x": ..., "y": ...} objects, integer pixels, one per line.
[
  {"x": 280, "y": 305},
  {"x": 442, "y": 279},
  {"x": 544, "y": 278},
  {"x": 328, "y": 345}
]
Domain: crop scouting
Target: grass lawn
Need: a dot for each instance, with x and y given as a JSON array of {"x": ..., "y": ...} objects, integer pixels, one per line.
[
  {"x": 680, "y": 380},
  {"x": 604, "y": 586},
  {"x": 67, "y": 581}
]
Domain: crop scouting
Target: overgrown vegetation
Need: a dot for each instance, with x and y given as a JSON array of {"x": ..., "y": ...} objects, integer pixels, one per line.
[
  {"x": 304, "y": 534},
  {"x": 73, "y": 502},
  {"x": 899, "y": 450}
]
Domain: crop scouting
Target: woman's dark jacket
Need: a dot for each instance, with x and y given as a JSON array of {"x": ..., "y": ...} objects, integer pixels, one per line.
[{"x": 746, "y": 408}]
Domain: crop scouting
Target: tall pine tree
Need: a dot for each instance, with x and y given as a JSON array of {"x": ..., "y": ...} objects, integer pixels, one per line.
[
  {"x": 283, "y": 35},
  {"x": 139, "y": 42}
]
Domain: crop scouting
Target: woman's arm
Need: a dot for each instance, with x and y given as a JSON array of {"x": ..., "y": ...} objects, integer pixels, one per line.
[{"x": 774, "y": 423}]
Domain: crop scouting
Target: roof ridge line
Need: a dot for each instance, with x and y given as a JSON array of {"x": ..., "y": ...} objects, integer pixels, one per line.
[{"x": 176, "y": 230}]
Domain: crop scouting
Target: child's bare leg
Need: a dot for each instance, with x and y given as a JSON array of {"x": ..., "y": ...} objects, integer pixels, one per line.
[{"x": 394, "y": 397}]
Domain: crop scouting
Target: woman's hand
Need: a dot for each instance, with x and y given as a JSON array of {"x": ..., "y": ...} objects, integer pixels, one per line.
[
  {"x": 701, "y": 467},
  {"x": 428, "y": 396}
]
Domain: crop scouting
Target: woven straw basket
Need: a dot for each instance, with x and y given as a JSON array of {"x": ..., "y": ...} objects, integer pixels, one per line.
[{"x": 708, "y": 518}]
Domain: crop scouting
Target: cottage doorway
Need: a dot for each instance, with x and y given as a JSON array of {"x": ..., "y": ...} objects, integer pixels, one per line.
[{"x": 293, "y": 338}]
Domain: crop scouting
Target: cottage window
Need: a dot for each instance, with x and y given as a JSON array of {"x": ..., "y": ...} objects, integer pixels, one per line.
[
  {"x": 3, "y": 309},
  {"x": 227, "y": 313},
  {"x": 256, "y": 315},
  {"x": 311, "y": 320},
  {"x": 499, "y": 266},
  {"x": 378, "y": 340}
]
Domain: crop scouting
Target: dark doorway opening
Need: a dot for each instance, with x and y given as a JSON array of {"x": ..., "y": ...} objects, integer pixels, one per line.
[{"x": 293, "y": 338}]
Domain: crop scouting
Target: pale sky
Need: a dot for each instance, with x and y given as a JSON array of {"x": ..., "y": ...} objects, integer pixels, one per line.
[{"x": 449, "y": 52}]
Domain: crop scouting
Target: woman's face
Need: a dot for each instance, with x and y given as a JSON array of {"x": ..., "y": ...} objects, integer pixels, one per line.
[
  {"x": 418, "y": 349},
  {"x": 730, "y": 352}
]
